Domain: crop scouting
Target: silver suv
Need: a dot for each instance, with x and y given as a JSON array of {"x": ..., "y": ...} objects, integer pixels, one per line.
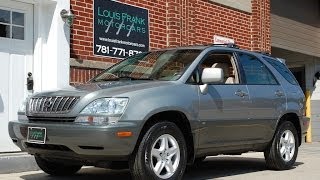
[{"x": 158, "y": 111}]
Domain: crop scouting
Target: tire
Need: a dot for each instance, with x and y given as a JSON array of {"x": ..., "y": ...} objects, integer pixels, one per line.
[
  {"x": 282, "y": 152},
  {"x": 154, "y": 156},
  {"x": 56, "y": 169}
]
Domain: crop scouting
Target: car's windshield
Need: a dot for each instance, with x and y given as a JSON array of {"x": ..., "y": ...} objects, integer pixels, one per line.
[{"x": 167, "y": 65}]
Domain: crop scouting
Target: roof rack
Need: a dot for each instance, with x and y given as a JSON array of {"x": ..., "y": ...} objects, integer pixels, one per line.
[
  {"x": 264, "y": 53},
  {"x": 283, "y": 61},
  {"x": 229, "y": 45}
]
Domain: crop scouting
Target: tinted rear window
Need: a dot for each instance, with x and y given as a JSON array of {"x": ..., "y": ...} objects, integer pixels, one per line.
[
  {"x": 255, "y": 71},
  {"x": 283, "y": 70}
]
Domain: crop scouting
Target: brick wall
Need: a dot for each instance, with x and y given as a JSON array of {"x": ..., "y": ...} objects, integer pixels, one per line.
[
  {"x": 176, "y": 23},
  {"x": 80, "y": 74},
  {"x": 260, "y": 30}
]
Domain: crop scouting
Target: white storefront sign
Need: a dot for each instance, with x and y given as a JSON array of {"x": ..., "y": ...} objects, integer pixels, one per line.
[{"x": 222, "y": 40}]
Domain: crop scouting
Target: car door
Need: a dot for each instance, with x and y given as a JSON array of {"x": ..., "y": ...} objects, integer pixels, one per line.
[
  {"x": 267, "y": 96},
  {"x": 223, "y": 109}
]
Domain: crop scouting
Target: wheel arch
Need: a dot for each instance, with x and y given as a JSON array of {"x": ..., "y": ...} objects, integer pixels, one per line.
[
  {"x": 294, "y": 119},
  {"x": 176, "y": 117}
]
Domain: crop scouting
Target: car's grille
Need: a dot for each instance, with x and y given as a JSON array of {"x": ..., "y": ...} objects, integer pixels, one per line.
[
  {"x": 48, "y": 147},
  {"x": 50, "y": 119},
  {"x": 56, "y": 104}
]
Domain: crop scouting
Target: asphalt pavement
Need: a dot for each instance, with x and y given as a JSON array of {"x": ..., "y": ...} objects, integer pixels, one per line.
[{"x": 247, "y": 166}]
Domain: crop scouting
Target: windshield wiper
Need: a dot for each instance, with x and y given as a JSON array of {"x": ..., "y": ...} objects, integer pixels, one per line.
[
  {"x": 123, "y": 78},
  {"x": 133, "y": 78},
  {"x": 102, "y": 80}
]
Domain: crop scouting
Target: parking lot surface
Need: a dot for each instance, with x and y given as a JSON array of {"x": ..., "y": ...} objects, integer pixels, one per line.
[{"x": 246, "y": 166}]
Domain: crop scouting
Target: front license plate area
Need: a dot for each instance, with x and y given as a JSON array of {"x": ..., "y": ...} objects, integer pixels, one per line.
[{"x": 36, "y": 135}]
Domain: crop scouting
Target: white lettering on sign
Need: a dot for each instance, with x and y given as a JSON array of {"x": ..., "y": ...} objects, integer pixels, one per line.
[
  {"x": 108, "y": 50},
  {"x": 222, "y": 40}
]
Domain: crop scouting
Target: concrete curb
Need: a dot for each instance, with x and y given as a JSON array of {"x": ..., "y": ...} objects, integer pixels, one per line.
[{"x": 17, "y": 162}]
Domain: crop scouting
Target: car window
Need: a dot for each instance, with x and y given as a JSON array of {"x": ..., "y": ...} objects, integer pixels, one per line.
[
  {"x": 282, "y": 69},
  {"x": 165, "y": 65},
  {"x": 256, "y": 73},
  {"x": 225, "y": 61}
]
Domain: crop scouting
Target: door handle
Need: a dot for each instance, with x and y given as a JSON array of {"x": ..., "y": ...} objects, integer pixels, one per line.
[
  {"x": 241, "y": 93},
  {"x": 279, "y": 93}
]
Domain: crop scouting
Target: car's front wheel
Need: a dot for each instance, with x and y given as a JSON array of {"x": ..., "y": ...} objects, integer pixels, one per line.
[
  {"x": 56, "y": 168},
  {"x": 161, "y": 154},
  {"x": 282, "y": 152}
]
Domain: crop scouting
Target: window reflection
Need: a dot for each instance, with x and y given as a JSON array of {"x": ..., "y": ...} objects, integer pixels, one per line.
[
  {"x": 12, "y": 24},
  {"x": 255, "y": 71},
  {"x": 4, "y": 31},
  {"x": 18, "y": 33},
  {"x": 18, "y": 18},
  {"x": 4, "y": 16}
]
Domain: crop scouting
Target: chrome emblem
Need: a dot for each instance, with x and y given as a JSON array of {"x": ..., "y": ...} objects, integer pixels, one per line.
[{"x": 48, "y": 104}]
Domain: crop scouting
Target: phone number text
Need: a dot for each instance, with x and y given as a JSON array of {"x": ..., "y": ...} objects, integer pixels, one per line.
[{"x": 115, "y": 51}]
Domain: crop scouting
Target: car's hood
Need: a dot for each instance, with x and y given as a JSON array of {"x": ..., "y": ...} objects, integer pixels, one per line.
[{"x": 110, "y": 88}]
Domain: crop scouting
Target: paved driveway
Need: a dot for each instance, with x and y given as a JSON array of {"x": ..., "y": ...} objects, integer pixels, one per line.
[{"x": 247, "y": 166}]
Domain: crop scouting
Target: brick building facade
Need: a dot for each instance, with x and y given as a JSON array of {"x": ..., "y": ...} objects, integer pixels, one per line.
[{"x": 173, "y": 23}]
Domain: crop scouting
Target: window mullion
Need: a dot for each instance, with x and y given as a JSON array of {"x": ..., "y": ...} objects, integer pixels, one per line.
[{"x": 11, "y": 25}]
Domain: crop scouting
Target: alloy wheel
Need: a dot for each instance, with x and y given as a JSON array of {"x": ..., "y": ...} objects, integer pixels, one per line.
[
  {"x": 287, "y": 145},
  {"x": 165, "y": 156}
]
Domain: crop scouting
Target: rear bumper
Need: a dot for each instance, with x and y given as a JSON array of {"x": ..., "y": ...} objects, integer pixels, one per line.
[{"x": 77, "y": 141}]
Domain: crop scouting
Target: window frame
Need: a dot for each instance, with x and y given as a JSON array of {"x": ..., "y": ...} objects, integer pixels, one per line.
[
  {"x": 12, "y": 25},
  {"x": 198, "y": 70},
  {"x": 243, "y": 71}
]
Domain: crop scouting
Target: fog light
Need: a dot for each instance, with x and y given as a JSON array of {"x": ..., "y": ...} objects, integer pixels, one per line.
[
  {"x": 99, "y": 120},
  {"x": 96, "y": 120}
]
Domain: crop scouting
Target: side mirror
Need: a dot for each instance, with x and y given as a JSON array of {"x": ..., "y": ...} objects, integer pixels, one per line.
[{"x": 212, "y": 75}]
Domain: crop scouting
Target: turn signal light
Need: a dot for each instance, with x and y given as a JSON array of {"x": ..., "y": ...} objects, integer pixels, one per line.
[{"x": 124, "y": 134}]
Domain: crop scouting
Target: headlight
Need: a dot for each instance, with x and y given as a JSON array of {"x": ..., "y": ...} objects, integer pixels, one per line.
[
  {"x": 106, "y": 106},
  {"x": 22, "y": 111},
  {"x": 103, "y": 111}
]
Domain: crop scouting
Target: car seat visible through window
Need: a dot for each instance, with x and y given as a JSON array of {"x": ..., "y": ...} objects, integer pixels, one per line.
[{"x": 228, "y": 78}]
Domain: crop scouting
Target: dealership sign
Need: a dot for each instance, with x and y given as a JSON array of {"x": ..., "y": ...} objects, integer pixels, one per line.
[
  {"x": 222, "y": 40},
  {"x": 120, "y": 30}
]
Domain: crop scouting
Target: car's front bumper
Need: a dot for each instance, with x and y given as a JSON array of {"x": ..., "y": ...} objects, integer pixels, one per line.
[{"x": 77, "y": 140}]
